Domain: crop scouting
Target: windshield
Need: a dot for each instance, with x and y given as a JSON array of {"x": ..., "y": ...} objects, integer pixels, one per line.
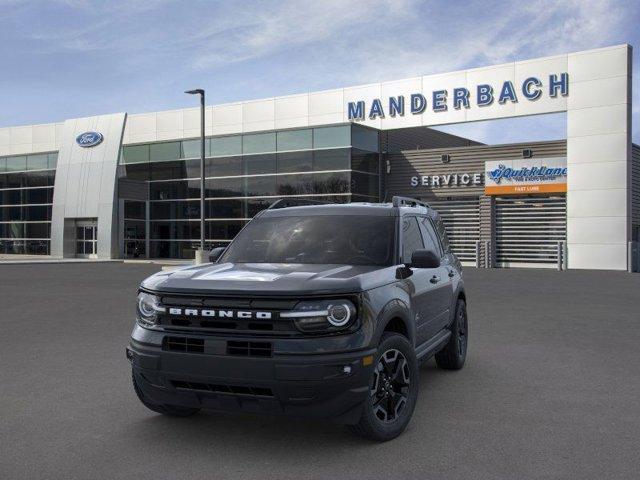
[{"x": 349, "y": 240}]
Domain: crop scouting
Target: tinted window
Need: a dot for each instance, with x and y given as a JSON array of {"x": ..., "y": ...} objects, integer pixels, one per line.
[
  {"x": 429, "y": 236},
  {"x": 328, "y": 137},
  {"x": 295, "y": 162},
  {"x": 16, "y": 164},
  {"x": 38, "y": 162},
  {"x": 223, "y": 166},
  {"x": 365, "y": 138},
  {"x": 295, "y": 140},
  {"x": 261, "y": 186},
  {"x": 332, "y": 160},
  {"x": 160, "y": 152},
  {"x": 349, "y": 240},
  {"x": 259, "y": 143},
  {"x": 411, "y": 238},
  {"x": 135, "y": 154},
  {"x": 223, "y": 146},
  {"x": 259, "y": 164},
  {"x": 442, "y": 233}
]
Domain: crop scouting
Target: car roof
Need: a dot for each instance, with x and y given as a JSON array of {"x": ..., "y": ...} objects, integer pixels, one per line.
[{"x": 354, "y": 208}]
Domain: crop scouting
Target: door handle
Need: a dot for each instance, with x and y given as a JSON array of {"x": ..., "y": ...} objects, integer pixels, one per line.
[{"x": 435, "y": 279}]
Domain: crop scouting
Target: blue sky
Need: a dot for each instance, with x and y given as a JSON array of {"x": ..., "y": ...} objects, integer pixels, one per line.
[{"x": 65, "y": 59}]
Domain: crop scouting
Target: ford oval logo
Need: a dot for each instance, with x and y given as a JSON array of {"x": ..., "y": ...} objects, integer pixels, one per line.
[{"x": 89, "y": 139}]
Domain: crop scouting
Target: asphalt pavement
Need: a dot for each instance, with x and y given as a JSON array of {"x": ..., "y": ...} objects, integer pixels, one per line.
[{"x": 551, "y": 390}]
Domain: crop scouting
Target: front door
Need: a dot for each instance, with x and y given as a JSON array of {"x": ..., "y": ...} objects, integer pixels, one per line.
[
  {"x": 422, "y": 287},
  {"x": 87, "y": 239}
]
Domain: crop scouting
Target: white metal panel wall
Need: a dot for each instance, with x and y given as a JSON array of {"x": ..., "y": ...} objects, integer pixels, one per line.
[
  {"x": 528, "y": 229},
  {"x": 85, "y": 184},
  {"x": 599, "y": 158}
]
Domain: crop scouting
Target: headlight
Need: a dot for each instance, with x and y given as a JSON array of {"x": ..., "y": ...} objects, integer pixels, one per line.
[
  {"x": 323, "y": 316},
  {"x": 148, "y": 308}
]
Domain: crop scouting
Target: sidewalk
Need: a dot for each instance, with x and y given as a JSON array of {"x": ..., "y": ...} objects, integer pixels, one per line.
[{"x": 36, "y": 259}]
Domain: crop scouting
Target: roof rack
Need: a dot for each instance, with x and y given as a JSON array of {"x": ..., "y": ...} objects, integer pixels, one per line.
[
  {"x": 408, "y": 202},
  {"x": 294, "y": 202}
]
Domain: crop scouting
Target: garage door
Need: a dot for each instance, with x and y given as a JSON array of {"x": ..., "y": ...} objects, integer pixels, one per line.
[
  {"x": 528, "y": 229},
  {"x": 461, "y": 218}
]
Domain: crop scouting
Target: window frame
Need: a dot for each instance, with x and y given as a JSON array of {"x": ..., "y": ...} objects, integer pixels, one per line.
[
  {"x": 402, "y": 218},
  {"x": 435, "y": 237}
]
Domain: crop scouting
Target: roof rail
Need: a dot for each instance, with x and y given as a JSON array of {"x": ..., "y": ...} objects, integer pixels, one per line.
[
  {"x": 408, "y": 202},
  {"x": 294, "y": 202}
]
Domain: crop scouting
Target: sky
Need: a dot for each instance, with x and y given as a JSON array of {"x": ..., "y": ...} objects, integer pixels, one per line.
[{"x": 74, "y": 58}]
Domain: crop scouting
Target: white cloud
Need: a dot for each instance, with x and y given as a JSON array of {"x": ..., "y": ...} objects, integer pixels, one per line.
[{"x": 310, "y": 45}]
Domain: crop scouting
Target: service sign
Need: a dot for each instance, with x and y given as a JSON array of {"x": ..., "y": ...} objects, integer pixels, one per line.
[{"x": 523, "y": 176}]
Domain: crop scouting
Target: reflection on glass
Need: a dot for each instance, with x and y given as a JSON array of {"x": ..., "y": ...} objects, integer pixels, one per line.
[
  {"x": 259, "y": 143},
  {"x": 295, "y": 140}
]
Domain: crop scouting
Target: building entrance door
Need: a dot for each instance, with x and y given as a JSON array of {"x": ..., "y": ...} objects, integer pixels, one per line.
[{"x": 87, "y": 239}]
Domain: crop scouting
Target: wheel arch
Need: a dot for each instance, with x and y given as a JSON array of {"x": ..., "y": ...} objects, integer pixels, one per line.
[{"x": 395, "y": 317}]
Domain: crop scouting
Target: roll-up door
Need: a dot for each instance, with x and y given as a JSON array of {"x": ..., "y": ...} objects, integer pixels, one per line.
[
  {"x": 461, "y": 218},
  {"x": 528, "y": 229}
]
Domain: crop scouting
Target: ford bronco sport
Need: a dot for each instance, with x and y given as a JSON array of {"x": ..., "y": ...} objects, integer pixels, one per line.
[{"x": 320, "y": 311}]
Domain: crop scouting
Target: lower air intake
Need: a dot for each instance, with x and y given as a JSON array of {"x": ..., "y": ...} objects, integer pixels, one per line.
[{"x": 229, "y": 389}]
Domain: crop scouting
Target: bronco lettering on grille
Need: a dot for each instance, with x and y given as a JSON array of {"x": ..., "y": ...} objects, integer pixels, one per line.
[{"x": 241, "y": 314}]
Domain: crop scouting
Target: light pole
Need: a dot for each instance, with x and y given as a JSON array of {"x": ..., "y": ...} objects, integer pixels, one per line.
[{"x": 200, "y": 256}]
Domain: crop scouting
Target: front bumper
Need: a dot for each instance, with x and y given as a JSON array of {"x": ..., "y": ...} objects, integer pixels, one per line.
[{"x": 319, "y": 385}]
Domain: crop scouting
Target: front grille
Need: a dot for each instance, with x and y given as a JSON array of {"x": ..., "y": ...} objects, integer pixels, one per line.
[
  {"x": 274, "y": 326},
  {"x": 183, "y": 344},
  {"x": 219, "y": 388},
  {"x": 249, "y": 349}
]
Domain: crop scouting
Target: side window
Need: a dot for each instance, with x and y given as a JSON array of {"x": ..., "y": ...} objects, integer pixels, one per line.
[
  {"x": 411, "y": 238},
  {"x": 442, "y": 233},
  {"x": 430, "y": 237}
]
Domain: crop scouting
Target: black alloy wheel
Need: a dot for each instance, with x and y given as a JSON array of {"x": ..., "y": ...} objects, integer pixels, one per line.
[
  {"x": 393, "y": 390},
  {"x": 391, "y": 383}
]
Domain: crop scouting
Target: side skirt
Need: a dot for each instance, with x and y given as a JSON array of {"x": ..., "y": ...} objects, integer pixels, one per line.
[{"x": 431, "y": 347}]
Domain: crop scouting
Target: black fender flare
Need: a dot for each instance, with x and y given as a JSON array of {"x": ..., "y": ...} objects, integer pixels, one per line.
[
  {"x": 394, "y": 309},
  {"x": 459, "y": 293}
]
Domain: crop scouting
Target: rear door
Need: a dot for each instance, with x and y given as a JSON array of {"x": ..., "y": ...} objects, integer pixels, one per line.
[
  {"x": 441, "y": 296},
  {"x": 419, "y": 284}
]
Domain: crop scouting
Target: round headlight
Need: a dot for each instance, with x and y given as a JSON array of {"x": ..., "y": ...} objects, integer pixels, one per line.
[
  {"x": 338, "y": 315},
  {"x": 148, "y": 308},
  {"x": 322, "y": 316}
]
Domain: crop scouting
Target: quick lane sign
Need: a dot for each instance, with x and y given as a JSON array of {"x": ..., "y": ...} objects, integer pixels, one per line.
[
  {"x": 543, "y": 175},
  {"x": 482, "y": 95}
]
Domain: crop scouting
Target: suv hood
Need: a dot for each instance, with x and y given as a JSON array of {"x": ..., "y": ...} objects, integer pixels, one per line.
[{"x": 270, "y": 279}]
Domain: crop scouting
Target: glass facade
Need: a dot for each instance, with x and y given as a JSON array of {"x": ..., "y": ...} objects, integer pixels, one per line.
[
  {"x": 244, "y": 174},
  {"x": 26, "y": 196}
]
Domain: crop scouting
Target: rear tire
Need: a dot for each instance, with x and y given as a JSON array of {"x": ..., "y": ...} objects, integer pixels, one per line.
[
  {"x": 393, "y": 390},
  {"x": 170, "y": 410},
  {"x": 454, "y": 354}
]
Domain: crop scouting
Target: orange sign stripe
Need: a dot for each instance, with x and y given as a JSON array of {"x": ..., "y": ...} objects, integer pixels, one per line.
[{"x": 516, "y": 189}]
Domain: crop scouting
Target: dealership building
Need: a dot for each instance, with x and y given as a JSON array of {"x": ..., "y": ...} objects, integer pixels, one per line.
[{"x": 127, "y": 185}]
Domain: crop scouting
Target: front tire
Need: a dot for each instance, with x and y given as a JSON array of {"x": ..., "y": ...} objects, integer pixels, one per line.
[
  {"x": 169, "y": 410},
  {"x": 393, "y": 390},
  {"x": 454, "y": 354}
]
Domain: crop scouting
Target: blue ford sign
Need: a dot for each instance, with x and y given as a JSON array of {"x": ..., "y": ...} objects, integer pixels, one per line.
[{"x": 89, "y": 139}]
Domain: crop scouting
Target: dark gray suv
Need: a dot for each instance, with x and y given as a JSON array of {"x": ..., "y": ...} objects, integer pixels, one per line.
[{"x": 319, "y": 311}]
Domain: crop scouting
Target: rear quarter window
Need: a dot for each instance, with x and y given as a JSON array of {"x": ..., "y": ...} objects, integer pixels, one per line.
[{"x": 442, "y": 233}]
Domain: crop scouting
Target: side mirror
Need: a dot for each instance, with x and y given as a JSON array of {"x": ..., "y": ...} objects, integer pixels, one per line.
[
  {"x": 425, "y": 259},
  {"x": 216, "y": 253}
]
